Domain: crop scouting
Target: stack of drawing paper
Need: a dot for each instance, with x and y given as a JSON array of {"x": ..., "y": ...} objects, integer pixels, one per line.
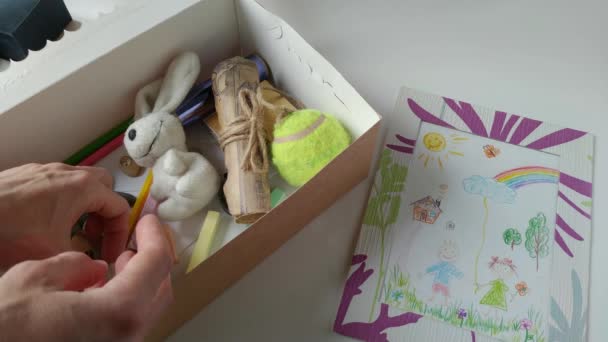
[{"x": 478, "y": 228}]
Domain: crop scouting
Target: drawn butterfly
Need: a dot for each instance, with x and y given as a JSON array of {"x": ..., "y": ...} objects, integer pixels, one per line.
[
  {"x": 491, "y": 151},
  {"x": 522, "y": 288}
]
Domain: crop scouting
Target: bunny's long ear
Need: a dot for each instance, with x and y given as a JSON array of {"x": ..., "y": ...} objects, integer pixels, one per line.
[
  {"x": 146, "y": 97},
  {"x": 179, "y": 79}
]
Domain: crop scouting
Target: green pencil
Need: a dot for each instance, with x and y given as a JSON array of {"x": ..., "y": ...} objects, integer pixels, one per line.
[{"x": 98, "y": 143}]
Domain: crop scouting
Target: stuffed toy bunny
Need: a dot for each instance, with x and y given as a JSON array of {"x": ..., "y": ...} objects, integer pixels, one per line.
[{"x": 184, "y": 182}]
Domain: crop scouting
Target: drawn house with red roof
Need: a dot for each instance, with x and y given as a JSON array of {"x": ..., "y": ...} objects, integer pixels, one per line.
[{"x": 426, "y": 210}]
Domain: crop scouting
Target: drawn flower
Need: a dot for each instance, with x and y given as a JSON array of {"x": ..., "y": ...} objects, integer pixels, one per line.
[
  {"x": 522, "y": 288},
  {"x": 525, "y": 324},
  {"x": 462, "y": 314},
  {"x": 397, "y": 296}
]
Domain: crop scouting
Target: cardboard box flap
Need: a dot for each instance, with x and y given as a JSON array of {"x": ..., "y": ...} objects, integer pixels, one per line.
[
  {"x": 316, "y": 82},
  {"x": 95, "y": 36}
]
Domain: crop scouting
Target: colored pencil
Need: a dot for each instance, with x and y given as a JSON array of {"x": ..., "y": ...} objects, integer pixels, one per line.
[
  {"x": 139, "y": 203},
  {"x": 103, "y": 151},
  {"x": 89, "y": 149}
]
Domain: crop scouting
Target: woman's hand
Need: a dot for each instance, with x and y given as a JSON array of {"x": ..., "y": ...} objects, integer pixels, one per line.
[
  {"x": 65, "y": 298},
  {"x": 39, "y": 204}
]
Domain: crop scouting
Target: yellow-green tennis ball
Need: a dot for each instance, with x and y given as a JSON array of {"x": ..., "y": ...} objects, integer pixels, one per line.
[{"x": 305, "y": 142}]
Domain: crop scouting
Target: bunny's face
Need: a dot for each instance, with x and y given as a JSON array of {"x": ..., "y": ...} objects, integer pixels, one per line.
[{"x": 151, "y": 136}]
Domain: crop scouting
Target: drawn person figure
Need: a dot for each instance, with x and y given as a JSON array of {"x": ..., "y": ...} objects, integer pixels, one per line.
[
  {"x": 444, "y": 270},
  {"x": 496, "y": 297}
]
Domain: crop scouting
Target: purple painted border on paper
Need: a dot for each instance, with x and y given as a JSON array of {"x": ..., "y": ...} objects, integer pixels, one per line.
[
  {"x": 525, "y": 128},
  {"x": 372, "y": 331},
  {"x": 559, "y": 221},
  {"x": 508, "y": 127},
  {"x": 425, "y": 116},
  {"x": 411, "y": 142},
  {"x": 556, "y": 138},
  {"x": 576, "y": 184},
  {"x": 469, "y": 116},
  {"x": 573, "y": 205},
  {"x": 560, "y": 242},
  {"x": 499, "y": 121},
  {"x": 404, "y": 149}
]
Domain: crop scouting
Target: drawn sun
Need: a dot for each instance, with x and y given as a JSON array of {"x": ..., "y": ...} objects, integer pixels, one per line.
[{"x": 439, "y": 148}]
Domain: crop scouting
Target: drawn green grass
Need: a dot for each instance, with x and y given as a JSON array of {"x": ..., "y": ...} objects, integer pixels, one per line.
[{"x": 400, "y": 283}]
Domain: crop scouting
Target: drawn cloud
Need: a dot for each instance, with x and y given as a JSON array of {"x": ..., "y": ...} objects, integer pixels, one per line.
[{"x": 489, "y": 188}]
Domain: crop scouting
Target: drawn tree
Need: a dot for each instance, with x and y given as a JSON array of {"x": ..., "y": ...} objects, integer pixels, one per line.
[
  {"x": 512, "y": 237},
  {"x": 537, "y": 238},
  {"x": 383, "y": 207}
]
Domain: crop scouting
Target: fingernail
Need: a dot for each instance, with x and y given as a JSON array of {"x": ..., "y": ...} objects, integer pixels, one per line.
[{"x": 102, "y": 262}]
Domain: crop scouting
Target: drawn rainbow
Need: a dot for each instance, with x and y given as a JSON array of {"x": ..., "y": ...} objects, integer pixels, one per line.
[{"x": 522, "y": 176}]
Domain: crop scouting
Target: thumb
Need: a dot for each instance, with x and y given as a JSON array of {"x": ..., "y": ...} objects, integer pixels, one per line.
[{"x": 70, "y": 271}]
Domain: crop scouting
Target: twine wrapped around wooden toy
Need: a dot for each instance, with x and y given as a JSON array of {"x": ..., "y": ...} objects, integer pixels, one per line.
[
  {"x": 243, "y": 139},
  {"x": 251, "y": 127},
  {"x": 245, "y": 111}
]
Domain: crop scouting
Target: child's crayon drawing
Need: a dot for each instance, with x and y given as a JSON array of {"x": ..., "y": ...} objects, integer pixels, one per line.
[
  {"x": 512, "y": 237},
  {"x": 440, "y": 147},
  {"x": 444, "y": 270},
  {"x": 500, "y": 249},
  {"x": 491, "y": 151},
  {"x": 503, "y": 270}
]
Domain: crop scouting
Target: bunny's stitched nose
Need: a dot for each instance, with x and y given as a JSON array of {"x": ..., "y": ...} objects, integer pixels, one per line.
[{"x": 132, "y": 134}]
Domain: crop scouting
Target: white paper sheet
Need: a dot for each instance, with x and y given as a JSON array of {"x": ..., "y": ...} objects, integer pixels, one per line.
[{"x": 455, "y": 247}]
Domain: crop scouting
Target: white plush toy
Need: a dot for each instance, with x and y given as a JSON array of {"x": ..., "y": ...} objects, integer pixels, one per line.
[{"x": 184, "y": 182}]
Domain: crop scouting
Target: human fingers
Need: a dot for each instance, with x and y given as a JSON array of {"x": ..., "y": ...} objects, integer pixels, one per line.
[
  {"x": 135, "y": 298},
  {"x": 89, "y": 173},
  {"x": 123, "y": 260},
  {"x": 164, "y": 298},
  {"x": 141, "y": 275},
  {"x": 101, "y": 174},
  {"x": 109, "y": 215},
  {"x": 69, "y": 271}
]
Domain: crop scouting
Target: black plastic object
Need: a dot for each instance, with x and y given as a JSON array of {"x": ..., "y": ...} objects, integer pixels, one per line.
[
  {"x": 28, "y": 24},
  {"x": 130, "y": 198}
]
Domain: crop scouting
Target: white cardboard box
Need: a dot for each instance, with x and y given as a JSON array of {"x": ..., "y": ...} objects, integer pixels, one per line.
[{"x": 75, "y": 89}]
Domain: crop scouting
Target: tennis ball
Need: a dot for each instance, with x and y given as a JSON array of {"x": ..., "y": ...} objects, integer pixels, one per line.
[{"x": 305, "y": 142}]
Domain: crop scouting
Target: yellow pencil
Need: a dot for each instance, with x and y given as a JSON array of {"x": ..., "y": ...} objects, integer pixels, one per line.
[{"x": 139, "y": 203}]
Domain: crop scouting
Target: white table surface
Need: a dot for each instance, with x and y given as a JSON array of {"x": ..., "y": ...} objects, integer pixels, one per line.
[{"x": 545, "y": 59}]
